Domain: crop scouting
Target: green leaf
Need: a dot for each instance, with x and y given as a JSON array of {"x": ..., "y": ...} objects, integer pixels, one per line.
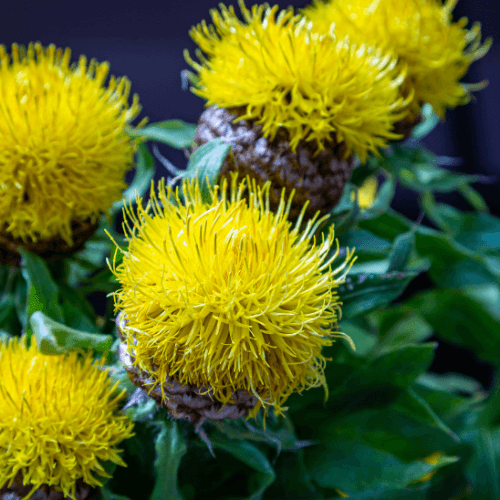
[
  {"x": 364, "y": 292},
  {"x": 460, "y": 319},
  {"x": 383, "y": 201},
  {"x": 473, "y": 197},
  {"x": 401, "y": 250},
  {"x": 205, "y": 163},
  {"x": 411, "y": 402},
  {"x": 401, "y": 325},
  {"x": 409, "y": 493},
  {"x": 482, "y": 469},
  {"x": 418, "y": 169},
  {"x": 251, "y": 456},
  {"x": 352, "y": 466},
  {"x": 170, "y": 448},
  {"x": 105, "y": 494},
  {"x": 55, "y": 338},
  {"x": 43, "y": 293},
  {"x": 366, "y": 243},
  {"x": 175, "y": 133},
  {"x": 144, "y": 172},
  {"x": 363, "y": 341},
  {"x": 429, "y": 121}
]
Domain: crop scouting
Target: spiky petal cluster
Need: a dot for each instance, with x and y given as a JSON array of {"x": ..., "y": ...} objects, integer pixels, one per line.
[
  {"x": 59, "y": 420},
  {"x": 63, "y": 147},
  {"x": 316, "y": 86},
  {"x": 434, "y": 51},
  {"x": 226, "y": 295}
]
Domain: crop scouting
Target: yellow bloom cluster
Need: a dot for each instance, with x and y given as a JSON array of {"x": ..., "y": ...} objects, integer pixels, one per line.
[
  {"x": 58, "y": 419},
  {"x": 63, "y": 147},
  {"x": 226, "y": 295},
  {"x": 434, "y": 51},
  {"x": 318, "y": 87}
]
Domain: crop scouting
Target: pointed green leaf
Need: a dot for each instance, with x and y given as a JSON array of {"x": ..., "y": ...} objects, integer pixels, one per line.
[
  {"x": 170, "y": 448},
  {"x": 55, "y": 338},
  {"x": 175, "y": 133},
  {"x": 205, "y": 163},
  {"x": 144, "y": 172},
  {"x": 106, "y": 494},
  {"x": 43, "y": 294},
  {"x": 385, "y": 195}
]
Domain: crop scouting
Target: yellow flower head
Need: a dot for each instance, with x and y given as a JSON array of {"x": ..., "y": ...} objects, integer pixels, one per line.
[
  {"x": 434, "y": 51},
  {"x": 59, "y": 420},
  {"x": 316, "y": 86},
  {"x": 226, "y": 295},
  {"x": 367, "y": 193},
  {"x": 63, "y": 147}
]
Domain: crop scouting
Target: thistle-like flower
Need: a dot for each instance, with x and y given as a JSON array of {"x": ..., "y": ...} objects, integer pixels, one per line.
[
  {"x": 63, "y": 148},
  {"x": 224, "y": 306},
  {"x": 294, "y": 104},
  {"x": 59, "y": 423},
  {"x": 434, "y": 51}
]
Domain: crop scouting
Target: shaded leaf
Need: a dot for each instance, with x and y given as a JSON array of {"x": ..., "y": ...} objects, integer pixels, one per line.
[
  {"x": 364, "y": 292},
  {"x": 43, "y": 293},
  {"x": 170, "y": 448},
  {"x": 401, "y": 250},
  {"x": 251, "y": 456},
  {"x": 352, "y": 466},
  {"x": 55, "y": 338},
  {"x": 144, "y": 173},
  {"x": 459, "y": 319}
]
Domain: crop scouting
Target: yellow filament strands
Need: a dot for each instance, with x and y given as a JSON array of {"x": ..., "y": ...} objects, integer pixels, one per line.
[
  {"x": 59, "y": 420},
  {"x": 317, "y": 87},
  {"x": 63, "y": 147},
  {"x": 434, "y": 51},
  {"x": 227, "y": 295}
]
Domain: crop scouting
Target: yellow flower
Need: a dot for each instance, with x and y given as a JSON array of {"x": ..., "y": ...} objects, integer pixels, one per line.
[
  {"x": 434, "y": 51},
  {"x": 226, "y": 295},
  {"x": 367, "y": 193},
  {"x": 58, "y": 419},
  {"x": 63, "y": 147},
  {"x": 316, "y": 87}
]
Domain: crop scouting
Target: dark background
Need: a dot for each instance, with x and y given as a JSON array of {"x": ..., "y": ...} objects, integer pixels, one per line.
[{"x": 145, "y": 41}]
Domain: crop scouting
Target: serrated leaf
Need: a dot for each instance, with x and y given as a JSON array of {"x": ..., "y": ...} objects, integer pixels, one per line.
[
  {"x": 205, "y": 163},
  {"x": 364, "y": 292},
  {"x": 175, "y": 133},
  {"x": 144, "y": 173},
  {"x": 43, "y": 293},
  {"x": 56, "y": 338},
  {"x": 170, "y": 448},
  {"x": 251, "y": 456}
]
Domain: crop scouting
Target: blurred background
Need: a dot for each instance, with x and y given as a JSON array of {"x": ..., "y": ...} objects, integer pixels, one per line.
[{"x": 145, "y": 41}]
